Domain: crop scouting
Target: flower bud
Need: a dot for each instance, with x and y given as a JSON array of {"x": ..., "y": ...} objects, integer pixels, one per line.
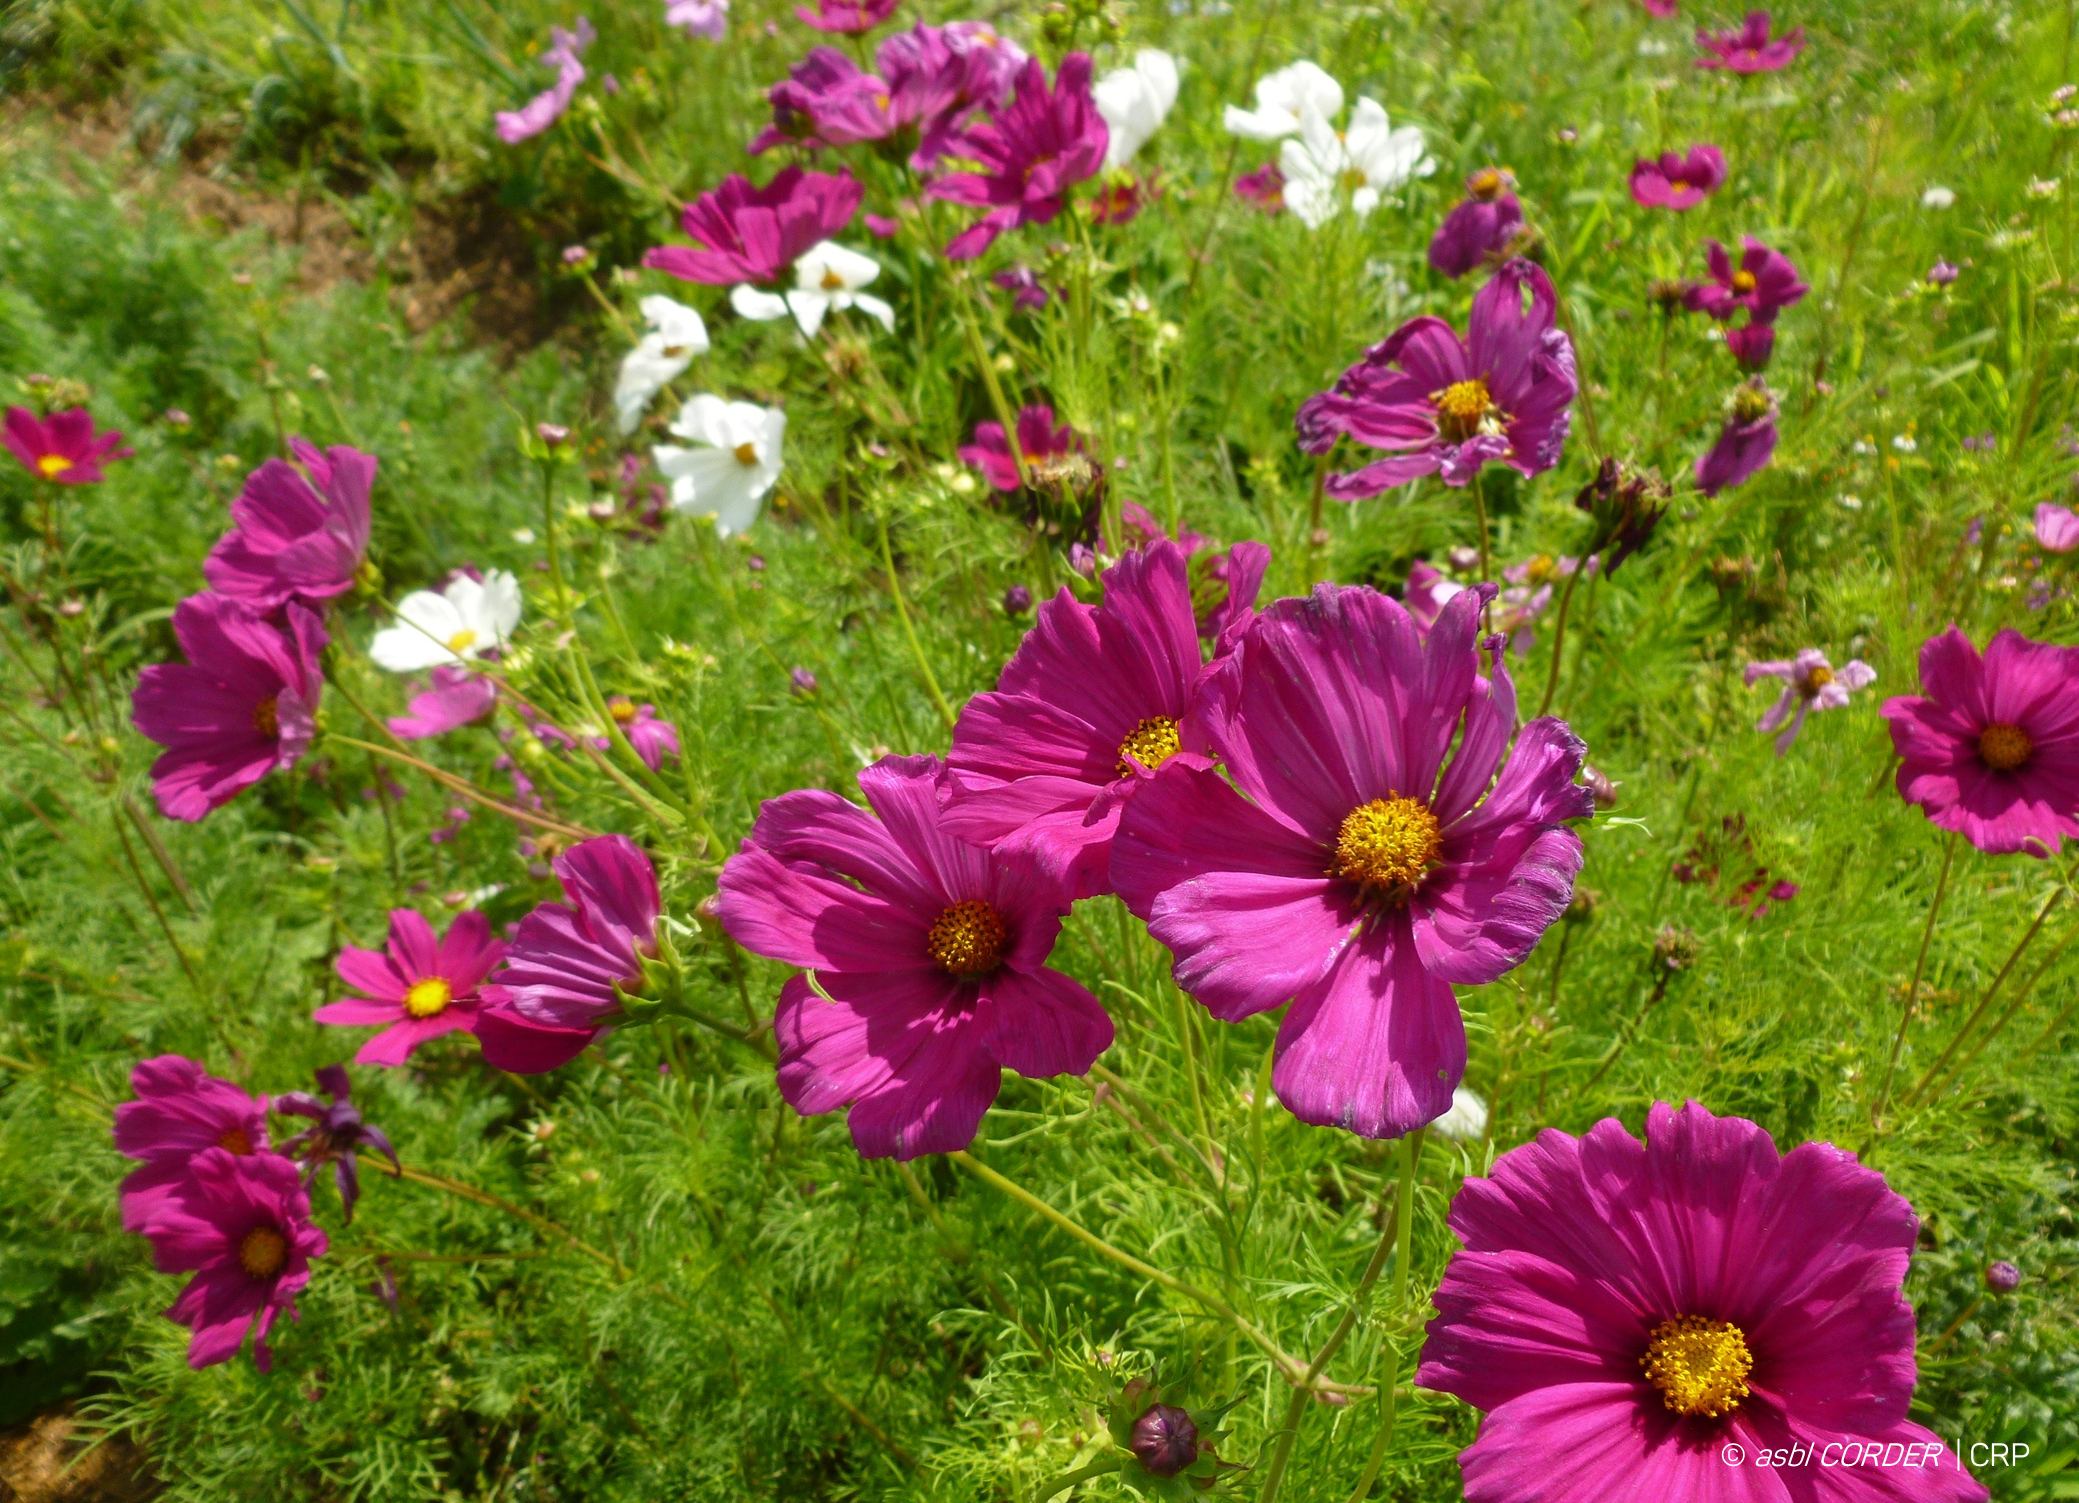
[
  {"x": 1017, "y": 600},
  {"x": 1165, "y": 1441},
  {"x": 2002, "y": 1278}
]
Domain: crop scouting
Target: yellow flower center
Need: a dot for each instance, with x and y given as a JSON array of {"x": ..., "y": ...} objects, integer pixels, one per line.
[
  {"x": 461, "y": 641},
  {"x": 968, "y": 940},
  {"x": 1465, "y": 408},
  {"x": 1151, "y": 743},
  {"x": 623, "y": 711},
  {"x": 1743, "y": 281},
  {"x": 746, "y": 453},
  {"x": 265, "y": 719},
  {"x": 1816, "y": 680},
  {"x": 235, "y": 1140},
  {"x": 1700, "y": 1366},
  {"x": 832, "y": 282},
  {"x": 2005, "y": 747},
  {"x": 428, "y": 998},
  {"x": 51, "y": 466},
  {"x": 262, "y": 1252},
  {"x": 1486, "y": 184},
  {"x": 1353, "y": 178},
  {"x": 1387, "y": 845},
  {"x": 1750, "y": 405}
]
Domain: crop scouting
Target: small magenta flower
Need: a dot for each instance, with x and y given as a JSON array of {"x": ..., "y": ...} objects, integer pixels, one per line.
[
  {"x": 294, "y": 538},
  {"x": 1022, "y": 281},
  {"x": 179, "y": 1111},
  {"x": 569, "y": 967},
  {"x": 1764, "y": 283},
  {"x": 1265, "y": 188},
  {"x": 1751, "y": 345},
  {"x": 1744, "y": 443},
  {"x": 1683, "y": 1301},
  {"x": 1032, "y": 152},
  {"x": 848, "y": 17},
  {"x": 1053, "y": 455},
  {"x": 1991, "y": 747},
  {"x": 456, "y": 698},
  {"x": 1750, "y": 49},
  {"x": 1374, "y": 843},
  {"x": 337, "y": 1135},
  {"x": 2057, "y": 527},
  {"x": 242, "y": 706},
  {"x": 699, "y": 18},
  {"x": 1942, "y": 273},
  {"x": 564, "y": 54},
  {"x": 928, "y": 957},
  {"x": 1482, "y": 229},
  {"x": 1678, "y": 182},
  {"x": 1660, "y": 10},
  {"x": 1810, "y": 683},
  {"x": 417, "y": 987},
  {"x": 1092, "y": 703},
  {"x": 653, "y": 737},
  {"x": 63, "y": 448},
  {"x": 755, "y": 235},
  {"x": 1500, "y": 395},
  {"x": 241, "y": 1224}
]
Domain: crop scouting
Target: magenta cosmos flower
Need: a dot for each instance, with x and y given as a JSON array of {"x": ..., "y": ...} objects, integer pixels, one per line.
[
  {"x": 241, "y": 1224},
  {"x": 1500, "y": 394},
  {"x": 417, "y": 987},
  {"x": 1764, "y": 283},
  {"x": 1810, "y": 683},
  {"x": 1092, "y": 703},
  {"x": 1991, "y": 747},
  {"x": 1666, "y": 1315},
  {"x": 455, "y": 698},
  {"x": 1750, "y": 49},
  {"x": 243, "y": 705},
  {"x": 2057, "y": 527},
  {"x": 292, "y": 538},
  {"x": 747, "y": 234},
  {"x": 928, "y": 957},
  {"x": 1034, "y": 150},
  {"x": 63, "y": 448},
  {"x": 849, "y": 17},
  {"x": 1483, "y": 226},
  {"x": 568, "y": 965},
  {"x": 1677, "y": 182},
  {"x": 1349, "y": 862},
  {"x": 564, "y": 53},
  {"x": 1053, "y": 454},
  {"x": 1744, "y": 444},
  {"x": 653, "y": 737},
  {"x": 180, "y": 1110}
]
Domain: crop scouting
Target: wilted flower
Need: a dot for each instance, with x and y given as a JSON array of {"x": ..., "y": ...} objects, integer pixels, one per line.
[
  {"x": 1134, "y": 102},
  {"x": 564, "y": 52},
  {"x": 1677, "y": 182},
  {"x": 1750, "y": 49},
  {"x": 1809, "y": 683},
  {"x": 1624, "y": 504},
  {"x": 469, "y": 618},
  {"x": 1751, "y": 345},
  {"x": 1744, "y": 443},
  {"x": 1989, "y": 748},
  {"x": 676, "y": 334},
  {"x": 242, "y": 706},
  {"x": 737, "y": 461},
  {"x": 62, "y": 448},
  {"x": 338, "y": 1131},
  {"x": 1483, "y": 228}
]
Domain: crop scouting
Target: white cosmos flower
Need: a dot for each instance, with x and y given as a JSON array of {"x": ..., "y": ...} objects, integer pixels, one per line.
[
  {"x": 735, "y": 465},
  {"x": 1282, "y": 98},
  {"x": 829, "y": 276},
  {"x": 459, "y": 624},
  {"x": 676, "y": 336},
  {"x": 1938, "y": 197},
  {"x": 757, "y": 304},
  {"x": 1134, "y": 101},
  {"x": 1370, "y": 159},
  {"x": 1466, "y": 1122}
]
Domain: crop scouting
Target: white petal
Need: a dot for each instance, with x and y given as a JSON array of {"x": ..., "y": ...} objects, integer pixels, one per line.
[
  {"x": 1367, "y": 132},
  {"x": 875, "y": 309},
  {"x": 645, "y": 371},
  {"x": 809, "y": 308},
  {"x": 751, "y": 303},
  {"x": 1363, "y": 201},
  {"x": 705, "y": 420},
  {"x": 1253, "y": 125},
  {"x": 681, "y": 327},
  {"x": 1323, "y": 144},
  {"x": 853, "y": 269},
  {"x": 1160, "y": 70},
  {"x": 501, "y": 603},
  {"x": 426, "y": 623}
]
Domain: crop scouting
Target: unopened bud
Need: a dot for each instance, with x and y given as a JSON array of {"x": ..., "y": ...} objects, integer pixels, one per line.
[{"x": 1165, "y": 1441}]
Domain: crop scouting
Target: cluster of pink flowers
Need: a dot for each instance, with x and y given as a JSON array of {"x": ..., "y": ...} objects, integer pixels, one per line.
[
  {"x": 1326, "y": 811},
  {"x": 217, "y": 1199}
]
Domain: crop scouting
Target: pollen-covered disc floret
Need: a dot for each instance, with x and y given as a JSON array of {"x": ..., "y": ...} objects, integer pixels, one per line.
[
  {"x": 2005, "y": 747},
  {"x": 428, "y": 998},
  {"x": 262, "y": 1252},
  {"x": 1700, "y": 1366},
  {"x": 1465, "y": 408},
  {"x": 968, "y": 940},
  {"x": 1388, "y": 844},
  {"x": 1151, "y": 743}
]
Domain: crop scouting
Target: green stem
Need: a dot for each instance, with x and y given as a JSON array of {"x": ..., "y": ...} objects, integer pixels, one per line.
[
  {"x": 1913, "y": 1096},
  {"x": 1566, "y": 599},
  {"x": 1927, "y": 935},
  {"x": 945, "y": 711},
  {"x": 1103, "y": 1466},
  {"x": 1389, "y": 1380},
  {"x": 541, "y": 1223}
]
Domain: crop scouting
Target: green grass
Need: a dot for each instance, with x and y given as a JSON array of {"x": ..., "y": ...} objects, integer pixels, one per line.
[{"x": 773, "y": 1318}]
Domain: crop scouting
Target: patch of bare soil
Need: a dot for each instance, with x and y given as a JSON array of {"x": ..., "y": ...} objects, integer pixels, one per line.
[
  {"x": 49, "y": 1461},
  {"x": 460, "y": 250}
]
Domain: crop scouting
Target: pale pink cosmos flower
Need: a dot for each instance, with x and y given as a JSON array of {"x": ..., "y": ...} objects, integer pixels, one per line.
[{"x": 1810, "y": 683}]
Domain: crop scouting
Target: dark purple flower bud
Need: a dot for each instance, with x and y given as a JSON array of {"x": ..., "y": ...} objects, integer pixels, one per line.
[
  {"x": 338, "y": 1133},
  {"x": 1164, "y": 1440},
  {"x": 1017, "y": 600},
  {"x": 1626, "y": 504},
  {"x": 2002, "y": 1278},
  {"x": 804, "y": 682},
  {"x": 1083, "y": 560}
]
